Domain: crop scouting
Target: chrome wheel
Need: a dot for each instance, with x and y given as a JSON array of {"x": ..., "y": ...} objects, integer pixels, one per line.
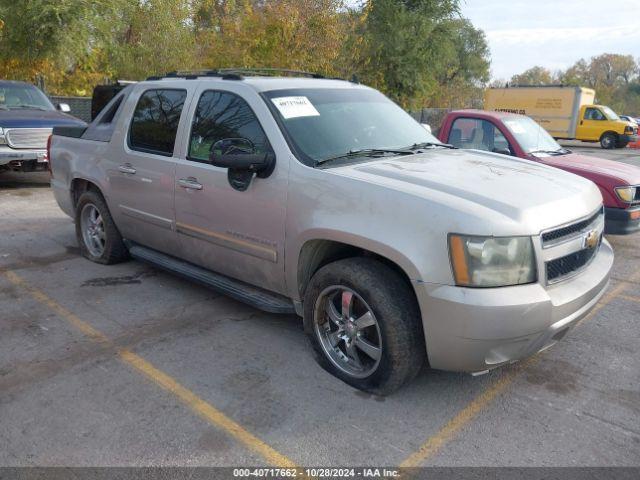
[
  {"x": 348, "y": 331},
  {"x": 93, "y": 232}
]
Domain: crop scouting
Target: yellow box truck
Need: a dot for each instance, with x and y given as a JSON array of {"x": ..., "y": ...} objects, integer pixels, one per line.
[{"x": 565, "y": 112}]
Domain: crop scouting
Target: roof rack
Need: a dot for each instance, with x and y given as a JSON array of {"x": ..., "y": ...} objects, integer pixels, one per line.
[
  {"x": 550, "y": 85},
  {"x": 234, "y": 73},
  {"x": 193, "y": 74},
  {"x": 271, "y": 71}
]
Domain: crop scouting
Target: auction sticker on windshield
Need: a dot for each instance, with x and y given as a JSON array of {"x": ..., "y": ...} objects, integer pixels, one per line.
[{"x": 294, "y": 107}]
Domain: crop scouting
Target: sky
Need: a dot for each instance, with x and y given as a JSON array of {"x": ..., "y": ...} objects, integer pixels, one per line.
[{"x": 553, "y": 33}]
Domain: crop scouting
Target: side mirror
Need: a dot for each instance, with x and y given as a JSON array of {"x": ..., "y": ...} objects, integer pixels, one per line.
[
  {"x": 64, "y": 107},
  {"x": 239, "y": 156},
  {"x": 502, "y": 151}
]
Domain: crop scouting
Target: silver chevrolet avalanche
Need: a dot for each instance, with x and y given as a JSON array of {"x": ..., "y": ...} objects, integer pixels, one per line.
[{"x": 323, "y": 198}]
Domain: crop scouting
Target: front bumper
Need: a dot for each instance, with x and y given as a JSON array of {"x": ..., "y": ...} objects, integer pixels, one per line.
[
  {"x": 628, "y": 138},
  {"x": 473, "y": 329},
  {"x": 621, "y": 221},
  {"x": 23, "y": 160}
]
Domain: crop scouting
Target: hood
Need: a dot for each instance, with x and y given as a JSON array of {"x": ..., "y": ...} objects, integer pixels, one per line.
[
  {"x": 28, "y": 118},
  {"x": 495, "y": 193},
  {"x": 595, "y": 168}
]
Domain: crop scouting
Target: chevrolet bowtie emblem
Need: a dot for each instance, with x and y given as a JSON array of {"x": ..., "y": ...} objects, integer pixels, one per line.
[{"x": 591, "y": 239}]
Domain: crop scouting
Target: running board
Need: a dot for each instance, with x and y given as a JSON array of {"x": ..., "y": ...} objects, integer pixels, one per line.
[{"x": 254, "y": 296}]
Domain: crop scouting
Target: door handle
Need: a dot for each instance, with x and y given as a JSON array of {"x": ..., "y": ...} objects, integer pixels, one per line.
[
  {"x": 127, "y": 168},
  {"x": 581, "y": 122},
  {"x": 190, "y": 183}
]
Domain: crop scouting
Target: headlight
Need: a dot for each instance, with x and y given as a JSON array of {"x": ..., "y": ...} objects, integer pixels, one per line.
[
  {"x": 492, "y": 261},
  {"x": 626, "y": 194},
  {"x": 2, "y": 139}
]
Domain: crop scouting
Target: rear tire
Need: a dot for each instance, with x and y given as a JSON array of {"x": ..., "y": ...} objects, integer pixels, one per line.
[
  {"x": 380, "y": 346},
  {"x": 96, "y": 232},
  {"x": 608, "y": 140}
]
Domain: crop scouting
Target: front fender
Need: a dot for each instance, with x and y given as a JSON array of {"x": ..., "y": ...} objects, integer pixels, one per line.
[{"x": 350, "y": 239}]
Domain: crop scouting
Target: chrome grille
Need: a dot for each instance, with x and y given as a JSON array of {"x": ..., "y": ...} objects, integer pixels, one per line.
[
  {"x": 559, "y": 234},
  {"x": 567, "y": 250},
  {"x": 569, "y": 264},
  {"x": 27, "y": 137}
]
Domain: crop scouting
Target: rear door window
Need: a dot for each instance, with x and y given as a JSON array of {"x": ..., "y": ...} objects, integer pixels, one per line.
[{"x": 155, "y": 121}]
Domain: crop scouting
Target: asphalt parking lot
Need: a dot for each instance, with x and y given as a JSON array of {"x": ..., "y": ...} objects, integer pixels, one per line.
[{"x": 127, "y": 365}]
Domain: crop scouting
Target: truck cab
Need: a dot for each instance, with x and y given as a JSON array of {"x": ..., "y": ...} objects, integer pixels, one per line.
[
  {"x": 520, "y": 136},
  {"x": 598, "y": 123},
  {"x": 27, "y": 118}
]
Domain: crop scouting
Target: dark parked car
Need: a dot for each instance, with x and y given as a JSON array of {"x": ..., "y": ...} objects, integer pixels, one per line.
[{"x": 27, "y": 117}]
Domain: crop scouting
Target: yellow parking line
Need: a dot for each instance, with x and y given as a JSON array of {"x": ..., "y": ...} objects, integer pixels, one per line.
[
  {"x": 186, "y": 396},
  {"x": 434, "y": 443},
  {"x": 74, "y": 320}
]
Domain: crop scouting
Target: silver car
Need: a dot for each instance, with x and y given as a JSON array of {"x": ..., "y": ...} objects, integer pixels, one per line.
[{"x": 323, "y": 198}]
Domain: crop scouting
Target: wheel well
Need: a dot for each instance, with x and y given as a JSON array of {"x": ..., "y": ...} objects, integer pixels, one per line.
[
  {"x": 609, "y": 132},
  {"x": 79, "y": 186},
  {"x": 315, "y": 254}
]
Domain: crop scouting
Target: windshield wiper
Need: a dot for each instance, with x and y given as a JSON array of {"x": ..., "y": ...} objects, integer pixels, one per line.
[
  {"x": 30, "y": 107},
  {"x": 421, "y": 145},
  {"x": 365, "y": 152},
  {"x": 561, "y": 151}
]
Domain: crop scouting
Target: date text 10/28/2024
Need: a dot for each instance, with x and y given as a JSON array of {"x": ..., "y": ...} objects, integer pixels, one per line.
[{"x": 365, "y": 472}]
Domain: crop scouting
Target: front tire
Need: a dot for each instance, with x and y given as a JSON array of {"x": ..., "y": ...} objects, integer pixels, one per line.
[
  {"x": 96, "y": 232},
  {"x": 364, "y": 324},
  {"x": 608, "y": 141}
]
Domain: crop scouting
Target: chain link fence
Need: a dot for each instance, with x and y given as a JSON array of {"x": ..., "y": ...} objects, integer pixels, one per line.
[
  {"x": 80, "y": 106},
  {"x": 432, "y": 117}
]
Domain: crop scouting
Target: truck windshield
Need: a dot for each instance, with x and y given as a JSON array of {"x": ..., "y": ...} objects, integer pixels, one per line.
[
  {"x": 19, "y": 97},
  {"x": 531, "y": 136},
  {"x": 610, "y": 114},
  {"x": 328, "y": 124}
]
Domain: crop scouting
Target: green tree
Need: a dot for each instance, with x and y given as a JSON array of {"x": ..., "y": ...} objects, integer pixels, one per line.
[
  {"x": 420, "y": 52},
  {"x": 534, "y": 76},
  {"x": 58, "y": 39},
  {"x": 466, "y": 72},
  {"x": 153, "y": 37},
  {"x": 68, "y": 29},
  {"x": 400, "y": 49},
  {"x": 279, "y": 33}
]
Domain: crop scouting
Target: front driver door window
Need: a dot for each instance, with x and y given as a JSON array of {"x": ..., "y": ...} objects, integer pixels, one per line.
[
  {"x": 224, "y": 116},
  {"x": 478, "y": 134},
  {"x": 237, "y": 233}
]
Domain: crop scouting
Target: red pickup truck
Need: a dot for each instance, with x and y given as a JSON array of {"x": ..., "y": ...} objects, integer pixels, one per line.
[{"x": 520, "y": 136}]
